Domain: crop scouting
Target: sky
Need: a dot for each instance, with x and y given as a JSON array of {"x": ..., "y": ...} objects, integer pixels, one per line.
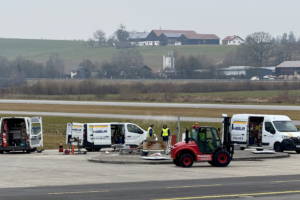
[{"x": 79, "y": 19}]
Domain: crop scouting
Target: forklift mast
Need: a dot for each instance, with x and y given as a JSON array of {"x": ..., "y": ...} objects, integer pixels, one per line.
[{"x": 226, "y": 135}]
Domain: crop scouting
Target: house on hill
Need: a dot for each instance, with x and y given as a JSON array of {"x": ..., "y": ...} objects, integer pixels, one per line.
[
  {"x": 169, "y": 38},
  {"x": 232, "y": 40},
  {"x": 288, "y": 68},
  {"x": 138, "y": 39},
  {"x": 198, "y": 39}
]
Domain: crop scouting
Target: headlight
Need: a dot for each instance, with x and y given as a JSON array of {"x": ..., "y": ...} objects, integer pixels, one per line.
[{"x": 286, "y": 137}]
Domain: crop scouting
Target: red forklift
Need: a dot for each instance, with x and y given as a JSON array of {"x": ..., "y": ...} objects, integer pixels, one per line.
[{"x": 203, "y": 144}]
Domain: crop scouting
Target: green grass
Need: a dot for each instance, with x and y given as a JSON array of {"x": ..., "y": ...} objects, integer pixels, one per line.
[{"x": 75, "y": 51}]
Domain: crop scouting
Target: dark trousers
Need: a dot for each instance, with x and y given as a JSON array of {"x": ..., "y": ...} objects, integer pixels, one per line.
[{"x": 165, "y": 138}]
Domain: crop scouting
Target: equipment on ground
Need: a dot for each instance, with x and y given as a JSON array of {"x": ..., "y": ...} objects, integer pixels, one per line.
[{"x": 202, "y": 143}]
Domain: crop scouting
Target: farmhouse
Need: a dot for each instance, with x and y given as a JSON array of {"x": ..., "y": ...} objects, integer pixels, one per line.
[
  {"x": 196, "y": 39},
  {"x": 288, "y": 68},
  {"x": 138, "y": 39},
  {"x": 232, "y": 40}
]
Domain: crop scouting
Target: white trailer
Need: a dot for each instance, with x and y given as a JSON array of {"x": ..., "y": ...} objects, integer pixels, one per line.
[
  {"x": 94, "y": 136},
  {"x": 265, "y": 132},
  {"x": 20, "y": 134}
]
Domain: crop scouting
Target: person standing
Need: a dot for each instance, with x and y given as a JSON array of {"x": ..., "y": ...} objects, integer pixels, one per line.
[
  {"x": 165, "y": 133},
  {"x": 150, "y": 131}
]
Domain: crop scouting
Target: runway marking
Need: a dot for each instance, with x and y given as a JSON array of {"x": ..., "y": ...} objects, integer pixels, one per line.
[
  {"x": 285, "y": 181},
  {"x": 82, "y": 192},
  {"x": 232, "y": 195},
  {"x": 194, "y": 186}
]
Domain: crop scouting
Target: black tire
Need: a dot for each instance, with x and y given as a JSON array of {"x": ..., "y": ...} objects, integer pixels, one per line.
[
  {"x": 7, "y": 151},
  {"x": 242, "y": 148},
  {"x": 1, "y": 152},
  {"x": 96, "y": 148},
  {"x": 28, "y": 151},
  {"x": 212, "y": 163},
  {"x": 176, "y": 162},
  {"x": 221, "y": 158},
  {"x": 33, "y": 150},
  {"x": 186, "y": 160},
  {"x": 278, "y": 147},
  {"x": 259, "y": 149},
  {"x": 298, "y": 151},
  {"x": 89, "y": 149}
]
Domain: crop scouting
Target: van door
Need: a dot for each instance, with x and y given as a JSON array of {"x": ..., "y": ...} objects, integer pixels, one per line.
[
  {"x": 77, "y": 131},
  {"x": 101, "y": 133},
  {"x": 36, "y": 132},
  {"x": 134, "y": 135},
  {"x": 69, "y": 132},
  {"x": 268, "y": 133},
  {"x": 239, "y": 133}
]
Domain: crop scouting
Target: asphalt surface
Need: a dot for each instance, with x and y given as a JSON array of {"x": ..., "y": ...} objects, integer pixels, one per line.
[
  {"x": 170, "y": 105},
  {"x": 267, "y": 187},
  {"x": 118, "y": 116}
]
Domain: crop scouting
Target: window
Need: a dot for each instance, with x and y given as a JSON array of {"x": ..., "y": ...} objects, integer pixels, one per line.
[
  {"x": 35, "y": 128},
  {"x": 285, "y": 126},
  {"x": 134, "y": 129}
]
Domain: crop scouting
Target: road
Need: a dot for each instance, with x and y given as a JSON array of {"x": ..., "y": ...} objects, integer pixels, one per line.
[
  {"x": 267, "y": 187},
  {"x": 170, "y": 105},
  {"x": 119, "y": 116}
]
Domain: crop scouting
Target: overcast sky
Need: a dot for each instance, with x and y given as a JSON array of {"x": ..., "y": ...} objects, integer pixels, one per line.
[{"x": 78, "y": 19}]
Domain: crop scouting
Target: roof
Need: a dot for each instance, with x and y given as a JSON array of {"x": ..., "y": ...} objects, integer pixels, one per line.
[
  {"x": 289, "y": 64},
  {"x": 231, "y": 38},
  {"x": 138, "y": 35},
  {"x": 201, "y": 36},
  {"x": 159, "y": 32},
  {"x": 176, "y": 35}
]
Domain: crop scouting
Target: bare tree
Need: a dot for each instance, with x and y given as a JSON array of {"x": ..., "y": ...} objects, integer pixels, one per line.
[
  {"x": 91, "y": 42},
  {"x": 257, "y": 49},
  {"x": 54, "y": 66},
  {"x": 111, "y": 40},
  {"x": 100, "y": 36},
  {"x": 121, "y": 33}
]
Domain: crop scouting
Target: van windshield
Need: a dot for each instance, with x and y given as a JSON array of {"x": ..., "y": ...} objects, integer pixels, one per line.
[{"x": 285, "y": 126}]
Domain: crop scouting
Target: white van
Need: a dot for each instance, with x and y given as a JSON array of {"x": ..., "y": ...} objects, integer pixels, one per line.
[
  {"x": 94, "y": 136},
  {"x": 20, "y": 134},
  {"x": 265, "y": 132}
]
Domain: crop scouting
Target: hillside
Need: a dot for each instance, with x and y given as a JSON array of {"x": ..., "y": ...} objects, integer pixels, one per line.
[{"x": 75, "y": 51}]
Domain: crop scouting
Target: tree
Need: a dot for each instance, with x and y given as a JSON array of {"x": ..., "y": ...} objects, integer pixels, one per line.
[
  {"x": 54, "y": 66},
  {"x": 111, "y": 40},
  {"x": 86, "y": 68},
  {"x": 100, "y": 36},
  {"x": 121, "y": 33},
  {"x": 257, "y": 49},
  {"x": 292, "y": 38},
  {"x": 180, "y": 65},
  {"x": 91, "y": 42},
  {"x": 284, "y": 39}
]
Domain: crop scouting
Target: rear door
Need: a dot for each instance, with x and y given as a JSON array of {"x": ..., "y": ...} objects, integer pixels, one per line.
[
  {"x": 36, "y": 132},
  {"x": 239, "y": 132},
  {"x": 69, "y": 131},
  {"x": 134, "y": 135},
  {"x": 101, "y": 133},
  {"x": 77, "y": 131}
]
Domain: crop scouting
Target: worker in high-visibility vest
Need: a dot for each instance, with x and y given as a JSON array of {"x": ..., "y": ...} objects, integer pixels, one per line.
[
  {"x": 165, "y": 133},
  {"x": 150, "y": 131}
]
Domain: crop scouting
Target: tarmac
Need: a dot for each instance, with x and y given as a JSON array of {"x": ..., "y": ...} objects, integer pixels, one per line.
[{"x": 116, "y": 158}]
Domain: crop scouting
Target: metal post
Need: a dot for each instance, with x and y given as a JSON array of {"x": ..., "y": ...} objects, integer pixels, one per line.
[{"x": 178, "y": 137}]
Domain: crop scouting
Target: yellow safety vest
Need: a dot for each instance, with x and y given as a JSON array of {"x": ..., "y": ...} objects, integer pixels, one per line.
[
  {"x": 149, "y": 132},
  {"x": 165, "y": 132}
]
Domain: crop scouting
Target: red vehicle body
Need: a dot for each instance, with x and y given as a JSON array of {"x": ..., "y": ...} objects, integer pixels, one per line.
[{"x": 204, "y": 144}]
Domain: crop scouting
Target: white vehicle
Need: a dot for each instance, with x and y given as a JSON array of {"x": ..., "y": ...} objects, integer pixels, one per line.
[
  {"x": 21, "y": 134},
  {"x": 94, "y": 136},
  {"x": 254, "y": 78},
  {"x": 265, "y": 132}
]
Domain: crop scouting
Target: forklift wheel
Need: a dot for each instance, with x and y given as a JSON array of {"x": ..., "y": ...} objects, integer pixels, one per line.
[
  {"x": 186, "y": 160},
  {"x": 222, "y": 158},
  {"x": 1, "y": 152},
  {"x": 298, "y": 151},
  {"x": 212, "y": 163},
  {"x": 28, "y": 151},
  {"x": 176, "y": 162}
]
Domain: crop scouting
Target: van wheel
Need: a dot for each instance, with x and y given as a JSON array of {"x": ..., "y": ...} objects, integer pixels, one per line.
[
  {"x": 278, "y": 147},
  {"x": 88, "y": 149},
  {"x": 298, "y": 151},
  {"x": 221, "y": 158},
  {"x": 186, "y": 160},
  {"x": 259, "y": 149},
  {"x": 96, "y": 148},
  {"x": 242, "y": 148},
  {"x": 176, "y": 162},
  {"x": 33, "y": 150},
  {"x": 28, "y": 151}
]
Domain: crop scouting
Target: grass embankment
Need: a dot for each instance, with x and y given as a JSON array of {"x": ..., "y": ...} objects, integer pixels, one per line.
[
  {"x": 52, "y": 124},
  {"x": 75, "y": 51}
]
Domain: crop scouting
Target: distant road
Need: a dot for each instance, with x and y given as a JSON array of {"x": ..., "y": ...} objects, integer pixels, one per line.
[
  {"x": 169, "y": 105},
  {"x": 118, "y": 116}
]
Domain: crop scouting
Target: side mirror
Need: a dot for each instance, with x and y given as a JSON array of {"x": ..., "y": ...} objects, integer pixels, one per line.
[{"x": 272, "y": 131}]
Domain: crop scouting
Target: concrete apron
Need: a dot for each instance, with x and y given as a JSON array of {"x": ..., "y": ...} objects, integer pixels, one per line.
[{"x": 115, "y": 158}]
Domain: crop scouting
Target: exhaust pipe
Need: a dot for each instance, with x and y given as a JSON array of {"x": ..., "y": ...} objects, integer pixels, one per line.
[{"x": 186, "y": 135}]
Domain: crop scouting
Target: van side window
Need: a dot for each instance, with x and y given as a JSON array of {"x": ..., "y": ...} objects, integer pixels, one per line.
[
  {"x": 269, "y": 126},
  {"x": 134, "y": 129}
]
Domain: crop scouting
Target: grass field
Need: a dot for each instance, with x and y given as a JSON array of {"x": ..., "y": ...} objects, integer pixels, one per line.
[
  {"x": 52, "y": 139},
  {"x": 75, "y": 51}
]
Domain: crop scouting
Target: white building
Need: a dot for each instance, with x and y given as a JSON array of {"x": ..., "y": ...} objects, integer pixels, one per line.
[
  {"x": 169, "y": 61},
  {"x": 232, "y": 40}
]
